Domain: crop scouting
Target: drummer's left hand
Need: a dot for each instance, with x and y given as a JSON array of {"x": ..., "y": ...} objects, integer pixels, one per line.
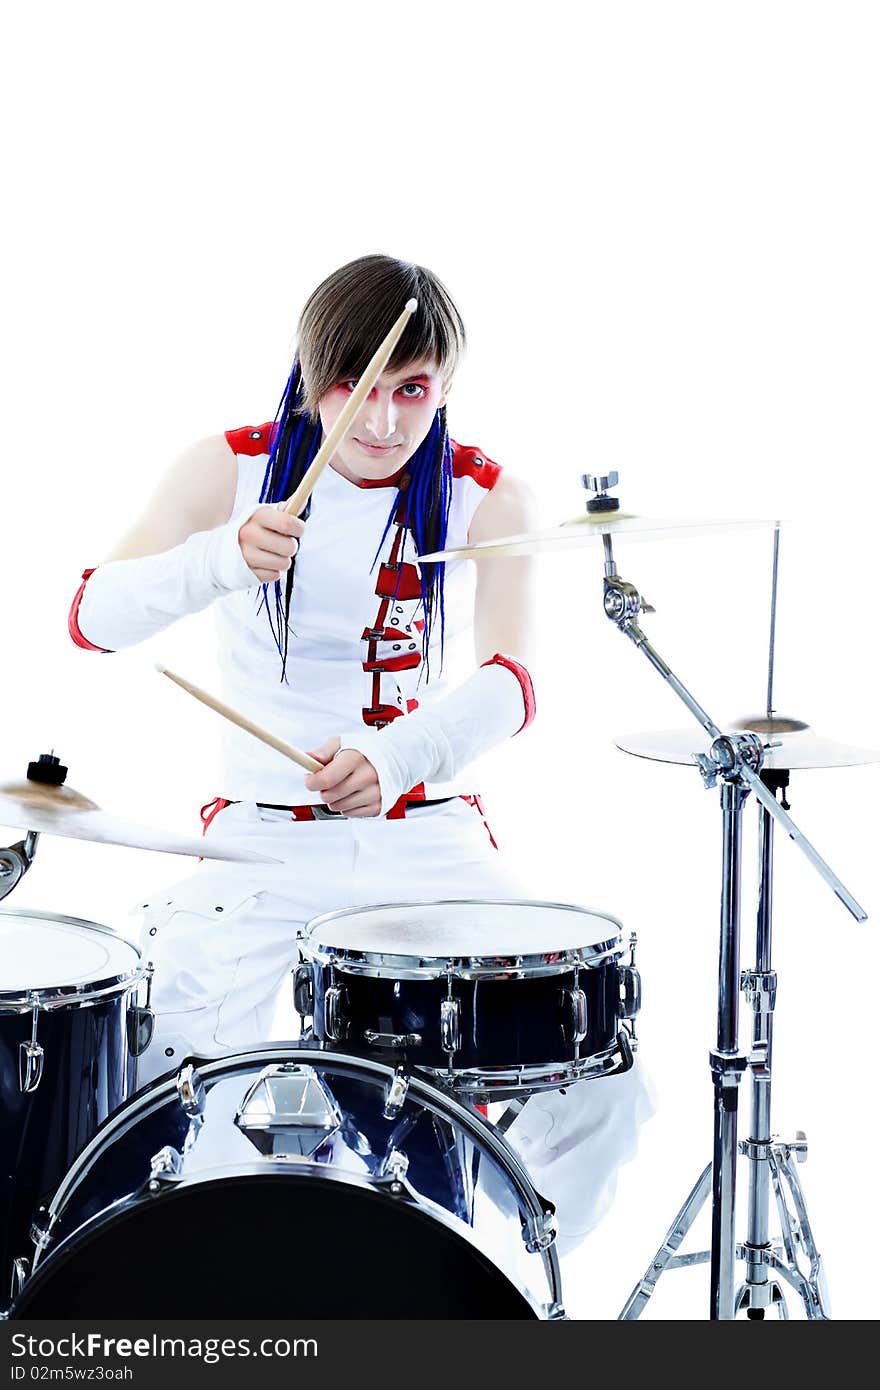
[{"x": 348, "y": 782}]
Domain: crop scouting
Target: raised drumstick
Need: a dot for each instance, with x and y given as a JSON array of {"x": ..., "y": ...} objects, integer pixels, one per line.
[
  {"x": 301, "y": 759},
  {"x": 373, "y": 371}
]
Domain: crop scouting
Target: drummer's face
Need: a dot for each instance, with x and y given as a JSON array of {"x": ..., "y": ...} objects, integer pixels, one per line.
[{"x": 391, "y": 423}]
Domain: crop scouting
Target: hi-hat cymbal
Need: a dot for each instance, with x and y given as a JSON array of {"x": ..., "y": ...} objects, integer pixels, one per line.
[
  {"x": 589, "y": 530},
  {"x": 62, "y": 811},
  {"x": 799, "y": 747}
]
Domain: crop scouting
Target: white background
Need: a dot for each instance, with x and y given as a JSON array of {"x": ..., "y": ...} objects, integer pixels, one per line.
[{"x": 661, "y": 222}]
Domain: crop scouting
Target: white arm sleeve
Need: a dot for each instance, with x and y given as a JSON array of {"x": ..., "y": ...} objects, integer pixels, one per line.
[
  {"x": 433, "y": 745},
  {"x": 127, "y": 601}
]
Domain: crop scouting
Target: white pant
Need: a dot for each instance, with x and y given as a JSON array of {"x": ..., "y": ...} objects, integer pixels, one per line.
[{"x": 223, "y": 943}]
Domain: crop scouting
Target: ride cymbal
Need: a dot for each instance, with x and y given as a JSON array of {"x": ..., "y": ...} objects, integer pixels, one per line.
[
  {"x": 799, "y": 747},
  {"x": 589, "y": 530}
]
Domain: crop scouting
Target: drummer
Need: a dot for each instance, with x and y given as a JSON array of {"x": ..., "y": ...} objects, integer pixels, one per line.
[{"x": 395, "y": 676}]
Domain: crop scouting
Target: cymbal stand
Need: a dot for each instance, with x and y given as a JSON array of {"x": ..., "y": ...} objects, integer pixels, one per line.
[
  {"x": 736, "y": 761},
  {"x": 15, "y": 860},
  {"x": 769, "y": 1158}
]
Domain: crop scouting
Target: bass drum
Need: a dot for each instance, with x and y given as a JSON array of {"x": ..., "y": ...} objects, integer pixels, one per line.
[{"x": 295, "y": 1181}]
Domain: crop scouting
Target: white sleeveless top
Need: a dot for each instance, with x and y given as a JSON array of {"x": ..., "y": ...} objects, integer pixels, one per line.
[{"x": 344, "y": 625}]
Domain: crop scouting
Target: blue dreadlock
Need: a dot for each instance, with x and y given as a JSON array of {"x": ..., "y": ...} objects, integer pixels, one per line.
[
  {"x": 426, "y": 484},
  {"x": 427, "y": 487},
  {"x": 294, "y": 440}
]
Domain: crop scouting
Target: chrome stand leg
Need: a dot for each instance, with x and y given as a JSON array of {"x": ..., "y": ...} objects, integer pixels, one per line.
[
  {"x": 666, "y": 1257},
  {"x": 726, "y": 1064},
  {"x": 797, "y": 1234},
  {"x": 770, "y": 1160},
  {"x": 759, "y": 987}
]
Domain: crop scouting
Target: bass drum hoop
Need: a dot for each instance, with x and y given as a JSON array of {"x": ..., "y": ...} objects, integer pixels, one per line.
[
  {"x": 133, "y": 1214},
  {"x": 536, "y": 1215}
]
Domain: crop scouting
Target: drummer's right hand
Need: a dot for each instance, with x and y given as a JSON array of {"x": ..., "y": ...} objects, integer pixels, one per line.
[{"x": 268, "y": 540}]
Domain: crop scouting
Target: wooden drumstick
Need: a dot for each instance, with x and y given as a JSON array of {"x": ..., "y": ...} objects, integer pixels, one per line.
[
  {"x": 301, "y": 759},
  {"x": 374, "y": 370}
]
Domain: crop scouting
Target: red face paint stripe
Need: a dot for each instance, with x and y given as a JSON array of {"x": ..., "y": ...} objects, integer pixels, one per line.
[{"x": 73, "y": 618}]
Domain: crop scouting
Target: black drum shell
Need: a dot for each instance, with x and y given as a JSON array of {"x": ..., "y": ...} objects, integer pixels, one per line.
[
  {"x": 503, "y": 1022},
  {"x": 87, "y": 1073}
]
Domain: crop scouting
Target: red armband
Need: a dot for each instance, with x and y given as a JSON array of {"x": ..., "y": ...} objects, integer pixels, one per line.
[
  {"x": 525, "y": 682},
  {"x": 73, "y": 618}
]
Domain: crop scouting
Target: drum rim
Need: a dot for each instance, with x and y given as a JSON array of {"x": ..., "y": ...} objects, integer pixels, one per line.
[
  {"x": 504, "y": 1082},
  {"x": 384, "y": 966},
  {"x": 150, "y": 1099},
  {"x": 464, "y": 966},
  {"x": 82, "y": 993}
]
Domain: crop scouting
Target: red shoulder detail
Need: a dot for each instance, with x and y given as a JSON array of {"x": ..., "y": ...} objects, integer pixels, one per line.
[
  {"x": 469, "y": 462},
  {"x": 251, "y": 439}
]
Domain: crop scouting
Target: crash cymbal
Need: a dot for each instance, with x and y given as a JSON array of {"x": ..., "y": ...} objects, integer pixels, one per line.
[
  {"x": 799, "y": 747},
  {"x": 59, "y": 810},
  {"x": 589, "y": 530}
]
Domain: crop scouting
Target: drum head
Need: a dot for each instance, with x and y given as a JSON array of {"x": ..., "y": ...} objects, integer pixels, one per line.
[
  {"x": 270, "y": 1246},
  {"x": 462, "y": 928},
  {"x": 57, "y": 957}
]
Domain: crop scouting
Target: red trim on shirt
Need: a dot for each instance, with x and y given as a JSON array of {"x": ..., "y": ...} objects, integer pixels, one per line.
[
  {"x": 410, "y": 585},
  {"x": 470, "y": 462},
  {"x": 385, "y": 634},
  {"x": 389, "y": 664},
  {"x": 467, "y": 460},
  {"x": 525, "y": 682},
  {"x": 381, "y": 714},
  {"x": 251, "y": 439},
  {"x": 73, "y": 618},
  {"x": 390, "y": 481}
]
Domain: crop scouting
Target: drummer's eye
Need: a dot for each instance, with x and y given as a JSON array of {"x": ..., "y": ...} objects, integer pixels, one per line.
[{"x": 413, "y": 390}]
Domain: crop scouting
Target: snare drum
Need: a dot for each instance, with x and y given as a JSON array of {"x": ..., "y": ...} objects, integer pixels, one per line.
[
  {"x": 498, "y": 998},
  {"x": 295, "y": 1181},
  {"x": 66, "y": 1025}
]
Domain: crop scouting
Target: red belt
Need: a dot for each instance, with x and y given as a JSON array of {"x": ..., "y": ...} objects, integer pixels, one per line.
[{"x": 319, "y": 812}]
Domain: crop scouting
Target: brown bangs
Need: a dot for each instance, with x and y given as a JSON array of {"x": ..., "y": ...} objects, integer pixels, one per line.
[{"x": 350, "y": 312}]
